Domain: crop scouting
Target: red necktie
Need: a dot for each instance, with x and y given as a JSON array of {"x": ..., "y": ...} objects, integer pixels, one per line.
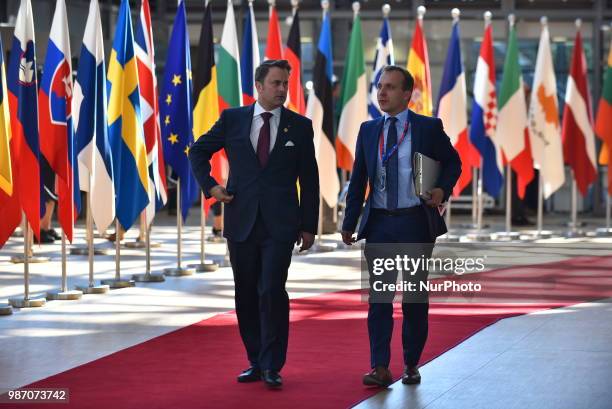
[{"x": 263, "y": 143}]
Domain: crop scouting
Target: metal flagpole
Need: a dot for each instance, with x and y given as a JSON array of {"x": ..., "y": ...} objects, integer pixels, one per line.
[
  {"x": 178, "y": 271},
  {"x": 475, "y": 197},
  {"x": 64, "y": 293},
  {"x": 204, "y": 265},
  {"x": 26, "y": 302},
  {"x": 479, "y": 235},
  {"x": 321, "y": 247},
  {"x": 508, "y": 234},
  {"x": 573, "y": 225},
  {"x": 90, "y": 249},
  {"x": 118, "y": 282},
  {"x": 147, "y": 277},
  {"x": 91, "y": 288}
]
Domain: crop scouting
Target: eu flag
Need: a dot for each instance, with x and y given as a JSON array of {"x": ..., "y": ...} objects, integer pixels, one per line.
[{"x": 175, "y": 109}]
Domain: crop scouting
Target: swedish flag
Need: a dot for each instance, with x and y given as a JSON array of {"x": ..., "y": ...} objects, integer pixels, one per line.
[
  {"x": 125, "y": 125},
  {"x": 175, "y": 109}
]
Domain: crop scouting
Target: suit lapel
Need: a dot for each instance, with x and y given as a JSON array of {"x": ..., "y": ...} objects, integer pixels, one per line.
[
  {"x": 281, "y": 134},
  {"x": 372, "y": 147},
  {"x": 245, "y": 130}
]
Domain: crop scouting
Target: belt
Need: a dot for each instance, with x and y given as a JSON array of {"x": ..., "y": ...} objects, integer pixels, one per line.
[{"x": 397, "y": 212}]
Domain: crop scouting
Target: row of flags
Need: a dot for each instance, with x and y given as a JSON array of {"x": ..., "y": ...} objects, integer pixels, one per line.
[{"x": 111, "y": 134}]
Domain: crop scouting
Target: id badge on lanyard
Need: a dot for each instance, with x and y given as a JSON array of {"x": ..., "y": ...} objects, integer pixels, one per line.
[{"x": 384, "y": 158}]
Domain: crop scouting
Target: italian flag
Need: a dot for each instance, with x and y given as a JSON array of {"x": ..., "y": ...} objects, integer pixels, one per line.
[
  {"x": 603, "y": 124},
  {"x": 354, "y": 109},
  {"x": 512, "y": 122},
  {"x": 230, "y": 94}
]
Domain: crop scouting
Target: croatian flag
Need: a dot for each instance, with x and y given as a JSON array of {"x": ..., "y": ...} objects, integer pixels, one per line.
[
  {"x": 149, "y": 109},
  {"x": 55, "y": 119},
  {"x": 484, "y": 117},
  {"x": 93, "y": 147}
]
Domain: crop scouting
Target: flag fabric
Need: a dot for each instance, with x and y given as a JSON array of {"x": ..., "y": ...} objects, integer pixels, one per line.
[
  {"x": 353, "y": 99},
  {"x": 293, "y": 54},
  {"x": 206, "y": 110},
  {"x": 176, "y": 106},
  {"x": 55, "y": 119},
  {"x": 249, "y": 60},
  {"x": 90, "y": 121},
  {"x": 603, "y": 124},
  {"x": 452, "y": 110},
  {"x": 130, "y": 167},
  {"x": 418, "y": 66},
  {"x": 6, "y": 173},
  {"x": 512, "y": 132},
  {"x": 274, "y": 45},
  {"x": 22, "y": 87},
  {"x": 577, "y": 130},
  {"x": 383, "y": 57},
  {"x": 230, "y": 94},
  {"x": 544, "y": 126},
  {"x": 484, "y": 117},
  {"x": 320, "y": 110},
  {"x": 149, "y": 108}
]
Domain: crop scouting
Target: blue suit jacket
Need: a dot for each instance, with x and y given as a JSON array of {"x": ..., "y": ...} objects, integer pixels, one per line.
[
  {"x": 427, "y": 137},
  {"x": 269, "y": 191}
]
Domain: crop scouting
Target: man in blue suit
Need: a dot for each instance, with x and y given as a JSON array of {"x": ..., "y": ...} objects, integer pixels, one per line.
[
  {"x": 393, "y": 213},
  {"x": 269, "y": 150}
]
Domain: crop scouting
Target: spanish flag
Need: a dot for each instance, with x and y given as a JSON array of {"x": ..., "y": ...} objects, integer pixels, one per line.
[
  {"x": 6, "y": 175},
  {"x": 418, "y": 66},
  {"x": 125, "y": 129}
]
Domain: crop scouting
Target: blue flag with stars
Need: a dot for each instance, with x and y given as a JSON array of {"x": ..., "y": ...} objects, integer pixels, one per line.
[{"x": 175, "y": 110}]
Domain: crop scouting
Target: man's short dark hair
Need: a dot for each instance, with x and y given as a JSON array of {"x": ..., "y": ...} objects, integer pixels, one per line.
[
  {"x": 264, "y": 67},
  {"x": 408, "y": 80}
]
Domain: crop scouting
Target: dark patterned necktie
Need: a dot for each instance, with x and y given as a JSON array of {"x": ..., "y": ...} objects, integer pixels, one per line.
[
  {"x": 392, "y": 171},
  {"x": 263, "y": 143}
]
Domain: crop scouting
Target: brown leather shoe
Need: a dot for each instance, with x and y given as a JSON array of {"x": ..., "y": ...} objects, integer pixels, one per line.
[
  {"x": 411, "y": 375},
  {"x": 379, "y": 376}
]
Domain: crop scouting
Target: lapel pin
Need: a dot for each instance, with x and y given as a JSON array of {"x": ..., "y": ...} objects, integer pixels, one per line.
[{"x": 286, "y": 130}]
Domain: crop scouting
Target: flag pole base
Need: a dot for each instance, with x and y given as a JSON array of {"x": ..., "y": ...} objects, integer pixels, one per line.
[
  {"x": 574, "y": 233},
  {"x": 98, "y": 251},
  {"x": 324, "y": 247},
  {"x": 604, "y": 232},
  {"x": 32, "y": 259},
  {"x": 120, "y": 283},
  {"x": 472, "y": 226},
  {"x": 179, "y": 271},
  {"x": 206, "y": 267},
  {"x": 571, "y": 225},
  {"x": 64, "y": 295},
  {"x": 6, "y": 309},
  {"x": 506, "y": 236},
  {"x": 141, "y": 244},
  {"x": 542, "y": 234},
  {"x": 29, "y": 303},
  {"x": 215, "y": 239},
  {"x": 149, "y": 278},
  {"x": 448, "y": 238},
  {"x": 478, "y": 236},
  {"x": 94, "y": 289}
]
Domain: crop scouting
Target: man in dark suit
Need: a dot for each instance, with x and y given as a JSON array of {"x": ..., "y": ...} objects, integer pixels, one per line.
[
  {"x": 393, "y": 213},
  {"x": 269, "y": 150}
]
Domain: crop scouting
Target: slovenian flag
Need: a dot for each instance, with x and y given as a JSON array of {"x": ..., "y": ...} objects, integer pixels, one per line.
[{"x": 55, "y": 119}]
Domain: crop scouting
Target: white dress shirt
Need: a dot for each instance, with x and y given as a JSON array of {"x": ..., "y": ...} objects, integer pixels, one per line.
[{"x": 258, "y": 123}]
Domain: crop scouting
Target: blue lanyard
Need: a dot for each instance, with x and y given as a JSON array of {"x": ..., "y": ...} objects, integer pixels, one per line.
[{"x": 387, "y": 155}]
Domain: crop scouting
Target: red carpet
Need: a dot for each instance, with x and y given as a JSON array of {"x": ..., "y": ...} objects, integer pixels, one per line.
[{"x": 196, "y": 366}]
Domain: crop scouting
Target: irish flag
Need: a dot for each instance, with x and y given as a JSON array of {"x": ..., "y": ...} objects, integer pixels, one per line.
[
  {"x": 354, "y": 109},
  {"x": 230, "y": 94},
  {"x": 512, "y": 131},
  {"x": 418, "y": 66},
  {"x": 577, "y": 130},
  {"x": 603, "y": 124}
]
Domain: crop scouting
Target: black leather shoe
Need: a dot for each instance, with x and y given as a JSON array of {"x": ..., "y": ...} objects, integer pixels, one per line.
[
  {"x": 53, "y": 233},
  {"x": 411, "y": 375},
  {"x": 252, "y": 374},
  {"x": 272, "y": 379}
]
